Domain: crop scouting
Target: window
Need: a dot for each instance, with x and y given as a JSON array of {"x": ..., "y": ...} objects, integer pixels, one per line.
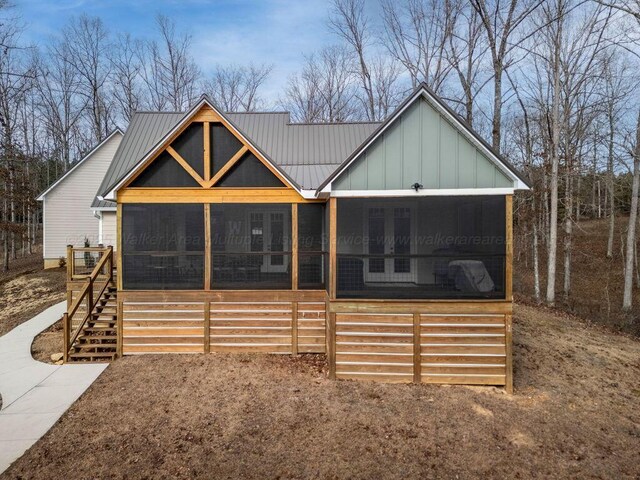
[
  {"x": 163, "y": 246},
  {"x": 428, "y": 247},
  {"x": 312, "y": 246},
  {"x": 249, "y": 172},
  {"x": 251, "y": 246}
]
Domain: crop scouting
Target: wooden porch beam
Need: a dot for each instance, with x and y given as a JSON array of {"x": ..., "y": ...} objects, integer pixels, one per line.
[
  {"x": 212, "y": 195},
  {"x": 183, "y": 163},
  {"x": 207, "y": 151}
]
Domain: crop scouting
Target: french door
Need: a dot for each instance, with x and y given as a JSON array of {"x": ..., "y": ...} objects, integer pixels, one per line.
[
  {"x": 390, "y": 233},
  {"x": 268, "y": 234}
]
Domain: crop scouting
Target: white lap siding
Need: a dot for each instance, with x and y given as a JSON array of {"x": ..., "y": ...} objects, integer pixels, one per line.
[
  {"x": 68, "y": 217},
  {"x": 108, "y": 229}
]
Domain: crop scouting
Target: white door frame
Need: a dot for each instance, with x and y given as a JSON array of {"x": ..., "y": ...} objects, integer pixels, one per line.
[
  {"x": 267, "y": 266},
  {"x": 389, "y": 275}
]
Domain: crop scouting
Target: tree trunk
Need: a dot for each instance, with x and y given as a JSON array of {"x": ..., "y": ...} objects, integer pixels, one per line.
[
  {"x": 627, "y": 300},
  {"x": 555, "y": 142},
  {"x": 497, "y": 107},
  {"x": 536, "y": 261},
  {"x": 610, "y": 190}
]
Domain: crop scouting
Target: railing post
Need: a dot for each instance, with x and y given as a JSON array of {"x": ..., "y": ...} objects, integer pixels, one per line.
[
  {"x": 65, "y": 332},
  {"x": 69, "y": 263},
  {"x": 90, "y": 297},
  {"x": 110, "y": 262}
]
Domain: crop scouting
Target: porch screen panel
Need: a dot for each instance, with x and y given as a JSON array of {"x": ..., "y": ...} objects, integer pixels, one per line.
[
  {"x": 251, "y": 246},
  {"x": 421, "y": 248},
  {"x": 312, "y": 246},
  {"x": 249, "y": 172},
  {"x": 163, "y": 246},
  {"x": 164, "y": 171},
  {"x": 190, "y": 146},
  {"x": 224, "y": 145}
]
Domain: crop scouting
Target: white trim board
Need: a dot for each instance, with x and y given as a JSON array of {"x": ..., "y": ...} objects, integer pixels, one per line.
[{"x": 429, "y": 192}]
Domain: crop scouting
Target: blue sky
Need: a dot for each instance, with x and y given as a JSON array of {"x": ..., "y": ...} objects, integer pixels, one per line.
[{"x": 277, "y": 32}]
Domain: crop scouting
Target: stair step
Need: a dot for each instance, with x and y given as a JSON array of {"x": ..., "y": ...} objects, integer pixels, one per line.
[
  {"x": 93, "y": 346},
  {"x": 106, "y": 311},
  {"x": 102, "y": 321},
  {"x": 92, "y": 355},
  {"x": 98, "y": 337},
  {"x": 99, "y": 329}
]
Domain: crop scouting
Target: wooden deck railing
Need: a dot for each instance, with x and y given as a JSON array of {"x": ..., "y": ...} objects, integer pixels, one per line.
[{"x": 100, "y": 277}]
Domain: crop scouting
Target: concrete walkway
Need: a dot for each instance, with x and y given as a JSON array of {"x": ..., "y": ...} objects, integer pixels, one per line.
[{"x": 35, "y": 394}]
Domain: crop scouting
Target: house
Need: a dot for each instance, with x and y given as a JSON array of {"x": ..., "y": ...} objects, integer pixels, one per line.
[
  {"x": 70, "y": 198},
  {"x": 387, "y": 246}
]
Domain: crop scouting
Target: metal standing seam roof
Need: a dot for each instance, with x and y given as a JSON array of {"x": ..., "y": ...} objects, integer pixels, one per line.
[{"x": 308, "y": 153}]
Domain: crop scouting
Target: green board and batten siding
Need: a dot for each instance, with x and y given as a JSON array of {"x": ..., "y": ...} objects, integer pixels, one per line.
[{"x": 422, "y": 146}]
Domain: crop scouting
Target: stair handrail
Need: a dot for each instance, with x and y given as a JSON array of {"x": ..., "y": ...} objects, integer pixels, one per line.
[{"x": 86, "y": 294}]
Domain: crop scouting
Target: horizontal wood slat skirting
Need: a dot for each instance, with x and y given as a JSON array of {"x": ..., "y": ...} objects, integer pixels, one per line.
[
  {"x": 428, "y": 342},
  {"x": 234, "y": 321}
]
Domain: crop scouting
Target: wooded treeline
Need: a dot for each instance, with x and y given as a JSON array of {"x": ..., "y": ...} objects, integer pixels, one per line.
[{"x": 551, "y": 83}]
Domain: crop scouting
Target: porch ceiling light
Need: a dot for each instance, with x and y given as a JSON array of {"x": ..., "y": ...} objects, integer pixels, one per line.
[{"x": 417, "y": 186}]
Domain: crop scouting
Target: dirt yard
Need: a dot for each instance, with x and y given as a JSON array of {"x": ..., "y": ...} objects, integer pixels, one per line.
[
  {"x": 574, "y": 415},
  {"x": 28, "y": 294},
  {"x": 48, "y": 343}
]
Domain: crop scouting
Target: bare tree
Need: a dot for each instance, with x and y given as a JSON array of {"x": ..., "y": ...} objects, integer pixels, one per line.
[
  {"x": 417, "y": 35},
  {"x": 627, "y": 300},
  {"x": 15, "y": 81},
  {"x": 59, "y": 103},
  {"x": 126, "y": 85},
  {"x": 170, "y": 73},
  {"x": 86, "y": 47},
  {"x": 465, "y": 52},
  {"x": 235, "y": 88},
  {"x": 501, "y": 21},
  {"x": 324, "y": 91},
  {"x": 377, "y": 75}
]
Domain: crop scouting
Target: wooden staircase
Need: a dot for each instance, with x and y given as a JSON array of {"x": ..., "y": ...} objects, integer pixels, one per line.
[
  {"x": 91, "y": 322},
  {"x": 98, "y": 338}
]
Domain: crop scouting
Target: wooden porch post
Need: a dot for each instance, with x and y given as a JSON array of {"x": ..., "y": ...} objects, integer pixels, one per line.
[
  {"x": 69, "y": 263},
  {"x": 331, "y": 320},
  {"x": 333, "y": 245},
  {"x": 207, "y": 246},
  {"x": 294, "y": 246},
  {"x": 509, "y": 248},
  {"x": 509, "y": 291},
  {"x": 509, "y": 353},
  {"x": 119, "y": 243},
  {"x": 417, "y": 358}
]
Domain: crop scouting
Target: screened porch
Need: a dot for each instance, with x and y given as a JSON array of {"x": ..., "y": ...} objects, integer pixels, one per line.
[
  {"x": 386, "y": 248},
  {"x": 421, "y": 248},
  {"x": 231, "y": 246}
]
